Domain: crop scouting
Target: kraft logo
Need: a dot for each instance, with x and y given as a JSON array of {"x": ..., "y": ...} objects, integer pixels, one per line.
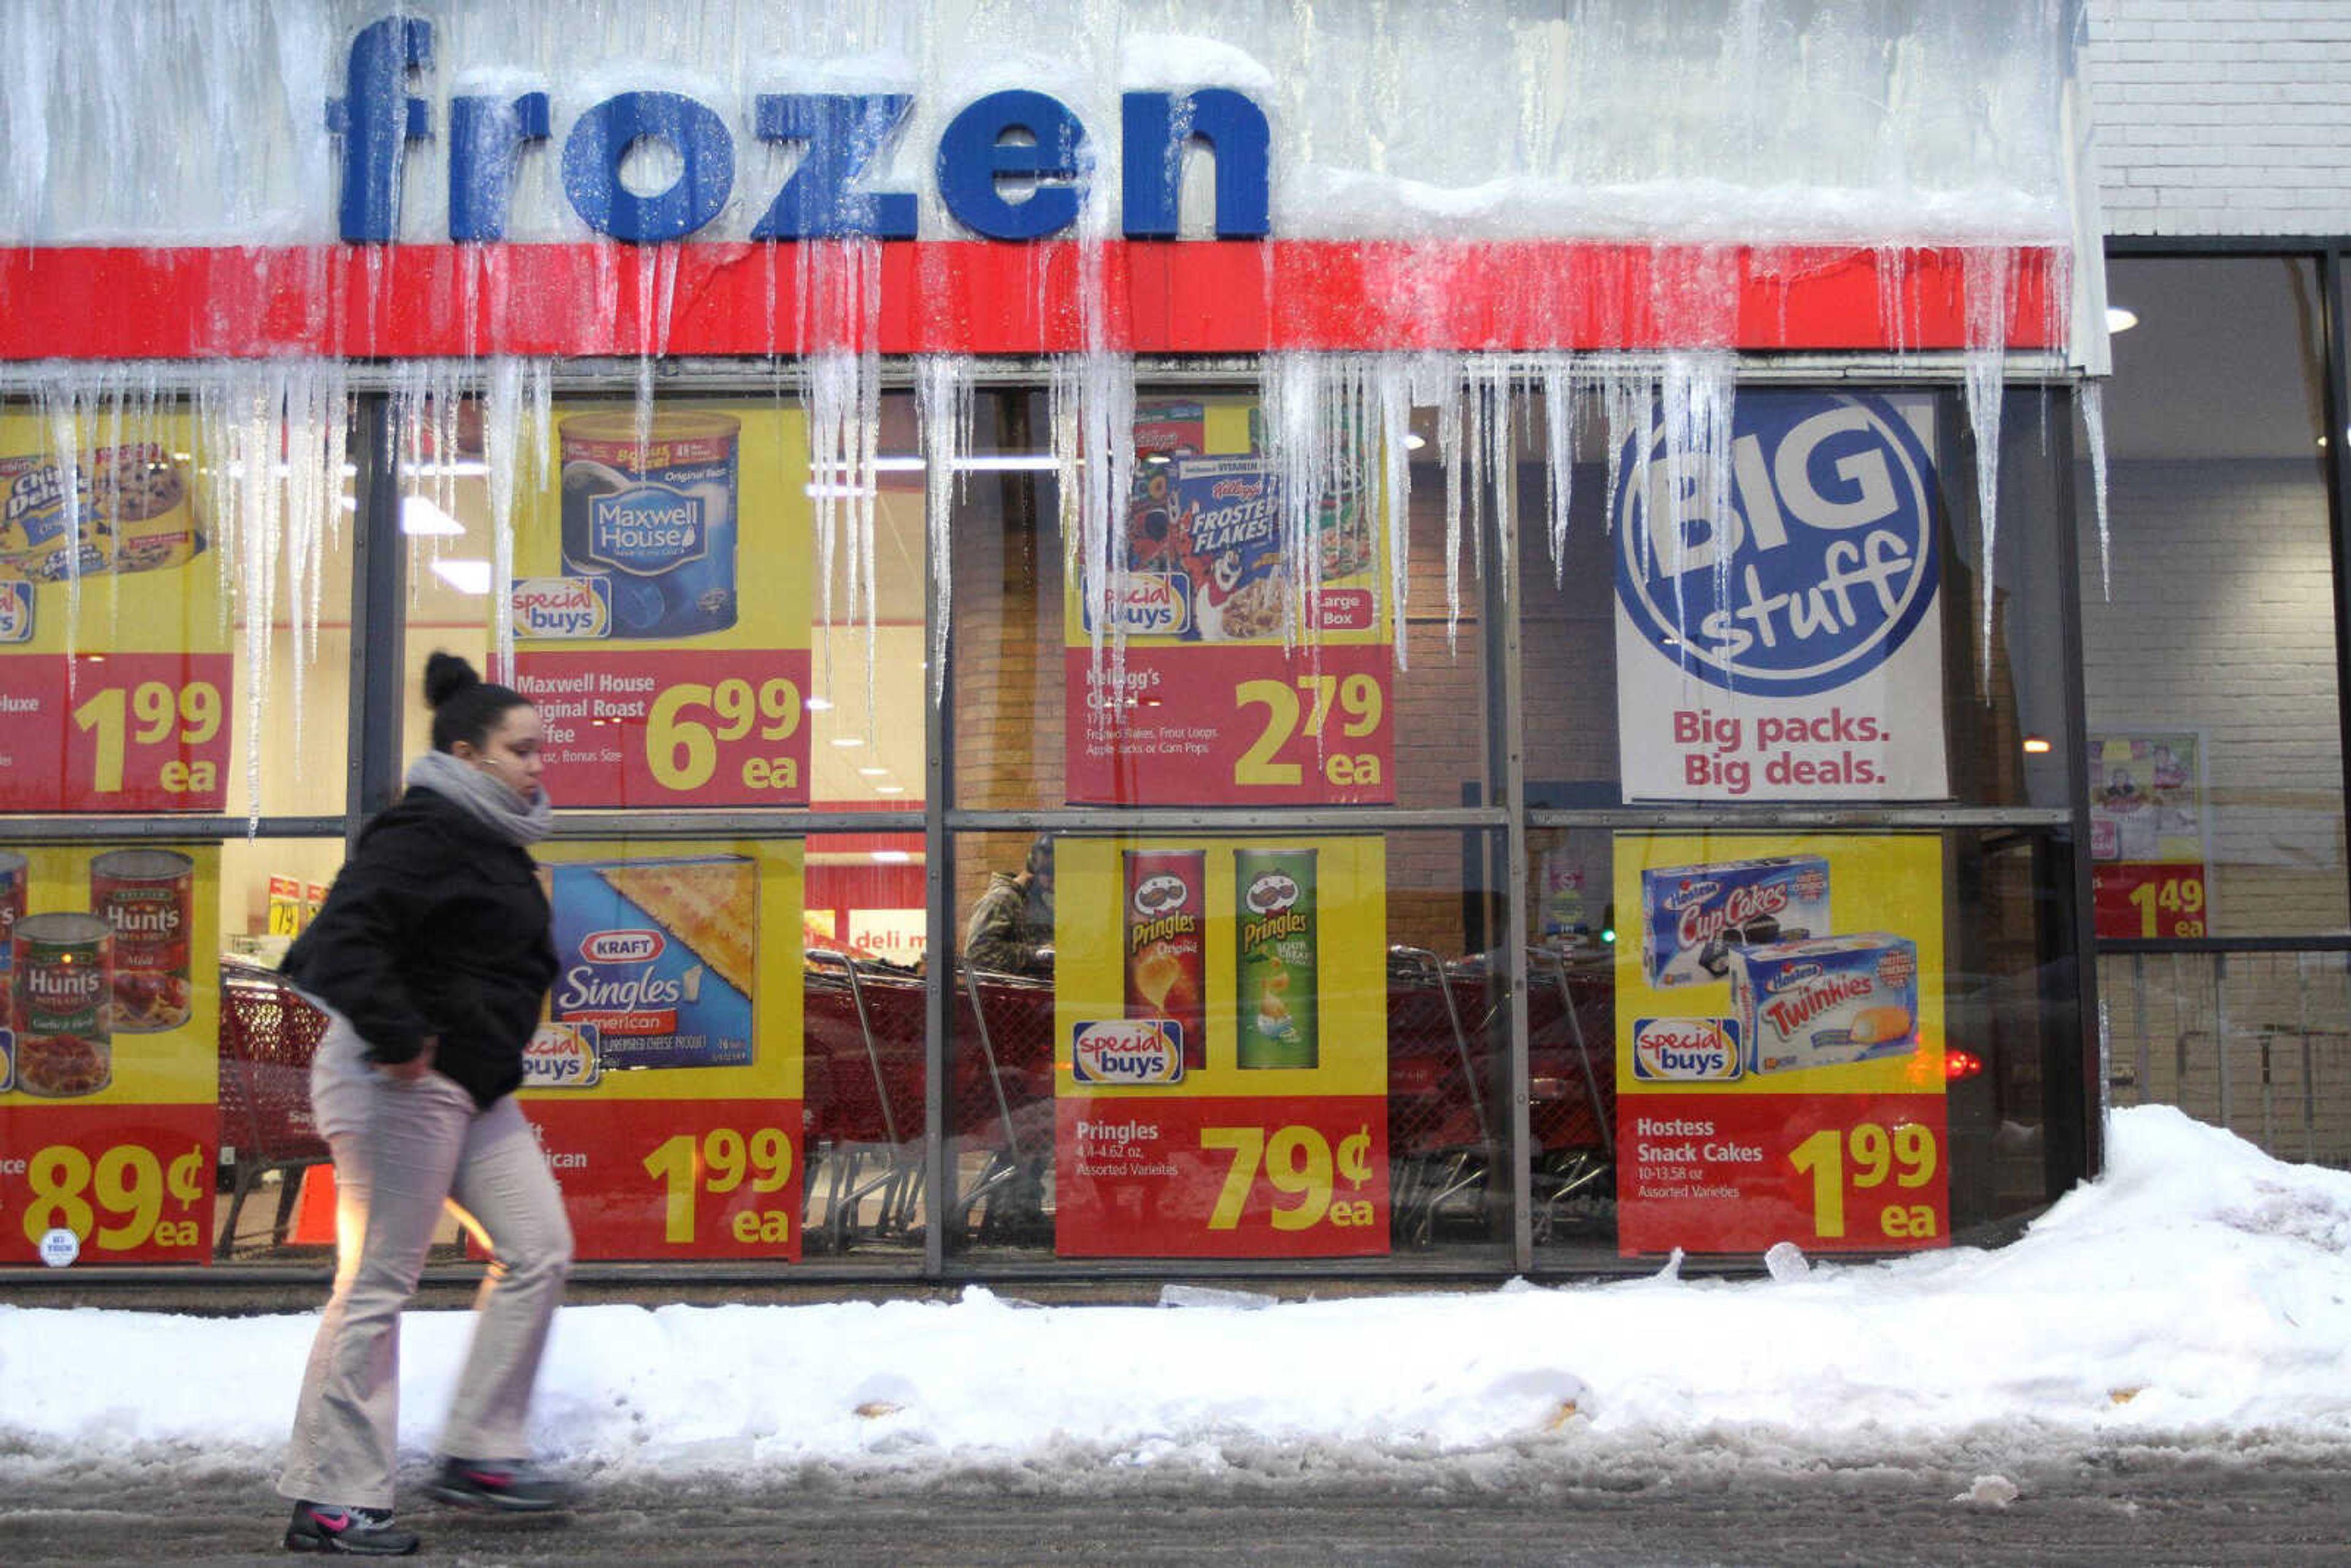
[
  {"x": 1822, "y": 564},
  {"x": 562, "y": 607},
  {"x": 623, "y": 947},
  {"x": 15, "y": 611},
  {"x": 560, "y": 1056},
  {"x": 1686, "y": 1050},
  {"x": 1127, "y": 1051}
]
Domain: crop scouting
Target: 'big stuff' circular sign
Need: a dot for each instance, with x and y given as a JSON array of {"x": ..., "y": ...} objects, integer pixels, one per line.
[{"x": 1821, "y": 565}]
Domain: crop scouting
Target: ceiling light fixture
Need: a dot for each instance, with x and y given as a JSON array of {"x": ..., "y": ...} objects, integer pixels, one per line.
[{"x": 2119, "y": 319}]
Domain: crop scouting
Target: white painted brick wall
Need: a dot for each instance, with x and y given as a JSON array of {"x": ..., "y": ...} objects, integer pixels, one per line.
[
  {"x": 2222, "y": 117},
  {"x": 2221, "y": 619}
]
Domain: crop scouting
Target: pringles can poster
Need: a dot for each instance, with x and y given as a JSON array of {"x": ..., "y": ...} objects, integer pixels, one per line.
[
  {"x": 1780, "y": 1043},
  {"x": 1220, "y": 1009},
  {"x": 1789, "y": 648},
  {"x": 661, "y": 605},
  {"x": 1256, "y": 666},
  {"x": 666, "y": 1078},
  {"x": 111, "y": 1048}
]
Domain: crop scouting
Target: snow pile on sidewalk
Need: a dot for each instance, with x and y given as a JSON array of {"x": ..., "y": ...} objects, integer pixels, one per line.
[{"x": 2198, "y": 1296}]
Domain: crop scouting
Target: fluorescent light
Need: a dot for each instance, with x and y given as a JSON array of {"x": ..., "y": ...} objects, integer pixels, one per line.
[
  {"x": 420, "y": 515},
  {"x": 1009, "y": 462},
  {"x": 875, "y": 772},
  {"x": 2036, "y": 744},
  {"x": 465, "y": 576},
  {"x": 819, "y": 705},
  {"x": 463, "y": 468},
  {"x": 891, "y": 857},
  {"x": 825, "y": 491},
  {"x": 849, "y": 740},
  {"x": 889, "y": 789},
  {"x": 2119, "y": 319},
  {"x": 1413, "y": 442}
]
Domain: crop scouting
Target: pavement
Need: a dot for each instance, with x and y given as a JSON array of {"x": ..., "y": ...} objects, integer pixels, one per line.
[{"x": 2115, "y": 1507}]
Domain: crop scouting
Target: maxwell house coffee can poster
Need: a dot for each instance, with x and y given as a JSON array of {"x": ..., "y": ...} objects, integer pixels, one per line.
[{"x": 1789, "y": 648}]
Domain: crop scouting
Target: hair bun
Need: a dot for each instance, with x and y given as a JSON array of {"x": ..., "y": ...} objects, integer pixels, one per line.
[{"x": 445, "y": 675}]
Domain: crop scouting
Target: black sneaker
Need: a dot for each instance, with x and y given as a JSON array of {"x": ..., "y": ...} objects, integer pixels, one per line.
[
  {"x": 358, "y": 1532},
  {"x": 510, "y": 1485}
]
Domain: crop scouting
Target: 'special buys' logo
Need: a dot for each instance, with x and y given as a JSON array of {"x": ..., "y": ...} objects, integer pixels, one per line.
[{"x": 1821, "y": 565}]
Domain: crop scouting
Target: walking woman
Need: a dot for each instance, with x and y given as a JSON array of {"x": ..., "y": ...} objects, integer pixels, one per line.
[{"x": 431, "y": 957}]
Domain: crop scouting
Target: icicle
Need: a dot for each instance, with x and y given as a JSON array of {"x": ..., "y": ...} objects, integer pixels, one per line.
[
  {"x": 1559, "y": 389},
  {"x": 1448, "y": 396},
  {"x": 501, "y": 451},
  {"x": 944, "y": 403},
  {"x": 1987, "y": 274},
  {"x": 2093, "y": 419},
  {"x": 1393, "y": 378}
]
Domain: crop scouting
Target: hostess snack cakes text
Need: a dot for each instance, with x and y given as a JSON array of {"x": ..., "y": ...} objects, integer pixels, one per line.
[
  {"x": 1163, "y": 920},
  {"x": 653, "y": 521},
  {"x": 1277, "y": 944},
  {"x": 1826, "y": 1002},
  {"x": 656, "y": 962},
  {"x": 1694, "y": 917}
]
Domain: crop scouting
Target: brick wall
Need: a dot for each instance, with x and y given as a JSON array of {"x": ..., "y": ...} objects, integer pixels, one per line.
[
  {"x": 2221, "y": 619},
  {"x": 2220, "y": 117}
]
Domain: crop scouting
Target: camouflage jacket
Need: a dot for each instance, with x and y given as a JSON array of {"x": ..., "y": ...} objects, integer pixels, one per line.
[{"x": 1001, "y": 935}]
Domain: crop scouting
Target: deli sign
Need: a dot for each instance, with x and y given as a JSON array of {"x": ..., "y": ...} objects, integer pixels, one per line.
[{"x": 1011, "y": 165}]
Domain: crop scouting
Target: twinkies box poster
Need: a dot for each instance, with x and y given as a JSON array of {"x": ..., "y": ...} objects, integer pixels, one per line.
[{"x": 1778, "y": 611}]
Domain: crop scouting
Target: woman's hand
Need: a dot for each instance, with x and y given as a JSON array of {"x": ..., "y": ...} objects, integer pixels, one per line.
[{"x": 415, "y": 1067}]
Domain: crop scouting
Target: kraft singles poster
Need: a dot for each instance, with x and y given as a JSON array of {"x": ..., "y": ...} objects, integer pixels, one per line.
[{"x": 1792, "y": 647}]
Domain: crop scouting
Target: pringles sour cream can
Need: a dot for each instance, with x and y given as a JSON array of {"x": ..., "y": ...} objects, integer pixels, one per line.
[{"x": 1277, "y": 948}]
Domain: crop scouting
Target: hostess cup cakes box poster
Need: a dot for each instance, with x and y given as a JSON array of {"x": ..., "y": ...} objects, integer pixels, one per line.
[
  {"x": 656, "y": 959},
  {"x": 1693, "y": 917}
]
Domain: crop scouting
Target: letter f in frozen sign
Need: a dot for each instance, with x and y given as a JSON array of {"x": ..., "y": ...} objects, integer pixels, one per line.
[{"x": 657, "y": 959}]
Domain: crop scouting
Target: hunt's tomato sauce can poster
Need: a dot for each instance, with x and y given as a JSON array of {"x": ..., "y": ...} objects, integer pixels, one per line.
[
  {"x": 1165, "y": 904},
  {"x": 145, "y": 895}
]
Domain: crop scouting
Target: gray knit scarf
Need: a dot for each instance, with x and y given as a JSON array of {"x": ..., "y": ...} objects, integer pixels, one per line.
[{"x": 484, "y": 798}]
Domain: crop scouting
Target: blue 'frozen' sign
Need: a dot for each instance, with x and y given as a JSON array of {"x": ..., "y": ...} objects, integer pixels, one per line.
[
  {"x": 1011, "y": 165},
  {"x": 1824, "y": 564}
]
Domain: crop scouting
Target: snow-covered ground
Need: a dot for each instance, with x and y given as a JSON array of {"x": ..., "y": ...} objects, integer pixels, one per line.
[{"x": 2197, "y": 1296}]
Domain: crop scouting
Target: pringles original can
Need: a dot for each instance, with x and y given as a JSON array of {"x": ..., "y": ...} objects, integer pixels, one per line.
[
  {"x": 147, "y": 899},
  {"x": 1164, "y": 920},
  {"x": 1277, "y": 951},
  {"x": 655, "y": 520},
  {"x": 64, "y": 972}
]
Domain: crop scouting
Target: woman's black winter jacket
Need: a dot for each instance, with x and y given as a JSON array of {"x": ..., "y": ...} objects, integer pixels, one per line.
[{"x": 436, "y": 925}]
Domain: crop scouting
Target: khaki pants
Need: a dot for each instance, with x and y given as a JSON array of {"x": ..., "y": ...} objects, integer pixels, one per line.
[{"x": 402, "y": 1150}]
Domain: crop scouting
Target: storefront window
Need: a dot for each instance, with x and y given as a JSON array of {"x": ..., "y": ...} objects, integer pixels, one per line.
[
  {"x": 1209, "y": 686},
  {"x": 2209, "y": 639}
]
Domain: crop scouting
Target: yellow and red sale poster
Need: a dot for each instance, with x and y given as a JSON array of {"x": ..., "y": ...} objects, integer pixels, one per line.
[
  {"x": 2148, "y": 833},
  {"x": 661, "y": 606},
  {"x": 115, "y": 676},
  {"x": 666, "y": 1080},
  {"x": 1220, "y": 1069},
  {"x": 1241, "y": 675},
  {"x": 1780, "y": 1043},
  {"x": 109, "y": 1054}
]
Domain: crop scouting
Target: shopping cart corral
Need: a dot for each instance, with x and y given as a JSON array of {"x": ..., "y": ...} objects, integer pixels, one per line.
[{"x": 1447, "y": 1092}]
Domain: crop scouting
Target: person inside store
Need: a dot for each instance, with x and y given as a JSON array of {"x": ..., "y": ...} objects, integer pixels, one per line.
[
  {"x": 431, "y": 957},
  {"x": 1011, "y": 928}
]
